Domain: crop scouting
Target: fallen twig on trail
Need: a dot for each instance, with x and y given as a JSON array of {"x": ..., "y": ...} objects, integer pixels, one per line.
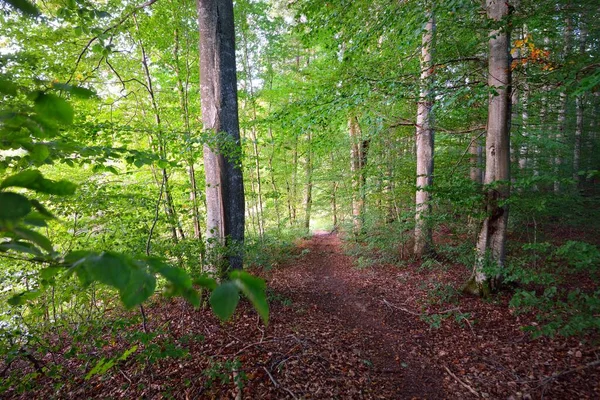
[
  {"x": 553, "y": 377},
  {"x": 261, "y": 342},
  {"x": 277, "y": 384},
  {"x": 387, "y": 303},
  {"x": 461, "y": 382}
]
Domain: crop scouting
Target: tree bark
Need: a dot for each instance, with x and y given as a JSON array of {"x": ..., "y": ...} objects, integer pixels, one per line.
[
  {"x": 492, "y": 237},
  {"x": 222, "y": 158},
  {"x": 425, "y": 145}
]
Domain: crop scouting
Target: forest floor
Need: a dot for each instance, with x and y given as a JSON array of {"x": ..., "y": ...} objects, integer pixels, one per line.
[{"x": 338, "y": 332}]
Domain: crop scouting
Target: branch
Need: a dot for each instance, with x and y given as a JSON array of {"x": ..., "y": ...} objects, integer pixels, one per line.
[
  {"x": 462, "y": 383},
  {"x": 113, "y": 26},
  {"x": 466, "y": 151}
]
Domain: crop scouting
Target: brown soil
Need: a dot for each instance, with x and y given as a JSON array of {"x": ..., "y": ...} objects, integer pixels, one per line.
[{"x": 337, "y": 332}]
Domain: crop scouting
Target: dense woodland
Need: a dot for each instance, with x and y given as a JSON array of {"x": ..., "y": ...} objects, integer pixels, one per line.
[{"x": 299, "y": 199}]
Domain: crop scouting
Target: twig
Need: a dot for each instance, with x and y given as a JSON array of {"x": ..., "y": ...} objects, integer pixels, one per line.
[
  {"x": 258, "y": 343},
  {"x": 125, "y": 376},
  {"x": 387, "y": 303},
  {"x": 467, "y": 150},
  {"x": 278, "y": 385},
  {"x": 144, "y": 321},
  {"x": 462, "y": 383},
  {"x": 236, "y": 377},
  {"x": 549, "y": 379}
]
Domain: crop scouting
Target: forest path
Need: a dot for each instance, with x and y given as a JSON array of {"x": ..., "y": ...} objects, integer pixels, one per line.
[{"x": 353, "y": 302}]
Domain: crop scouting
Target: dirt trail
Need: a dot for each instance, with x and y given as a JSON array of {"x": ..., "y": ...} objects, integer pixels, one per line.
[{"x": 391, "y": 344}]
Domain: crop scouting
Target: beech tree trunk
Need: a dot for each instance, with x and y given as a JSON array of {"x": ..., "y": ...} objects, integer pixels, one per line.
[
  {"x": 222, "y": 157},
  {"x": 424, "y": 142},
  {"x": 492, "y": 237}
]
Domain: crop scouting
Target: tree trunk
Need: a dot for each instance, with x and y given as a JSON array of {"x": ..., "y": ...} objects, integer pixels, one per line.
[
  {"x": 579, "y": 101},
  {"x": 357, "y": 158},
  {"x": 222, "y": 159},
  {"x": 176, "y": 229},
  {"x": 309, "y": 185},
  {"x": 425, "y": 144},
  {"x": 492, "y": 237},
  {"x": 562, "y": 112},
  {"x": 476, "y": 160},
  {"x": 183, "y": 104}
]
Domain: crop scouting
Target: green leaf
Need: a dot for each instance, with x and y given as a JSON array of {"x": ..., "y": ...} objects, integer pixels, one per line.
[
  {"x": 8, "y": 87},
  {"x": 162, "y": 164},
  {"x": 192, "y": 296},
  {"x": 128, "y": 352},
  {"x": 36, "y": 219},
  {"x": 53, "y": 107},
  {"x": 224, "y": 300},
  {"x": 110, "y": 268},
  {"x": 178, "y": 277},
  {"x": 100, "y": 368},
  {"x": 35, "y": 237},
  {"x": 34, "y": 180},
  {"x": 21, "y": 247},
  {"x": 141, "y": 286},
  {"x": 13, "y": 205},
  {"x": 39, "y": 152},
  {"x": 206, "y": 282},
  {"x": 50, "y": 272},
  {"x": 254, "y": 289},
  {"x": 78, "y": 91},
  {"x": 25, "y": 7},
  {"x": 41, "y": 209},
  {"x": 22, "y": 298}
]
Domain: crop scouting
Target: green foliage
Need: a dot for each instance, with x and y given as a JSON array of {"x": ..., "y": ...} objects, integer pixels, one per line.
[
  {"x": 558, "y": 311},
  {"x": 104, "y": 365},
  {"x": 580, "y": 255},
  {"x": 226, "y": 372}
]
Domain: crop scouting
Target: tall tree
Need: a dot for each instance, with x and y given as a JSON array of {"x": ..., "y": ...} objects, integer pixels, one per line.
[
  {"x": 492, "y": 237},
  {"x": 222, "y": 156},
  {"x": 424, "y": 141}
]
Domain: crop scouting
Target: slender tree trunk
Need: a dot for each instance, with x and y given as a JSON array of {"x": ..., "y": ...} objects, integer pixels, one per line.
[
  {"x": 273, "y": 182},
  {"x": 252, "y": 100},
  {"x": 309, "y": 184},
  {"x": 562, "y": 112},
  {"x": 176, "y": 229},
  {"x": 334, "y": 187},
  {"x": 218, "y": 89},
  {"x": 425, "y": 144},
  {"x": 356, "y": 167},
  {"x": 492, "y": 237},
  {"x": 579, "y": 102},
  {"x": 476, "y": 160},
  {"x": 183, "y": 104},
  {"x": 294, "y": 186},
  {"x": 523, "y": 149}
]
